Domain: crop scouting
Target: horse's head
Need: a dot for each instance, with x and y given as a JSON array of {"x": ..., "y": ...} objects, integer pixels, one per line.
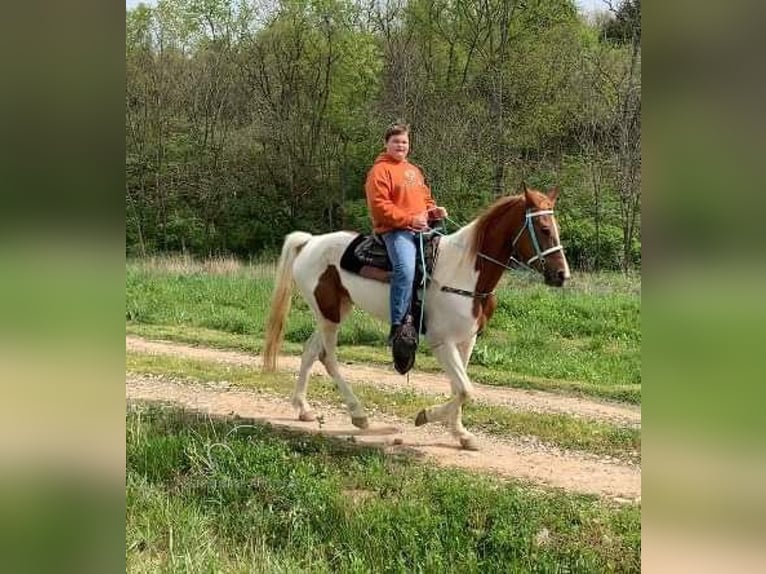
[{"x": 537, "y": 241}]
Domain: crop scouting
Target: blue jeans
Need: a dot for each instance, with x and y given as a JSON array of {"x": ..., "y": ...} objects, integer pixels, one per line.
[{"x": 402, "y": 250}]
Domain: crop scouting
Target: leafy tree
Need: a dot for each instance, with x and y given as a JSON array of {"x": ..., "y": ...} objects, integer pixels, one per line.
[{"x": 247, "y": 120}]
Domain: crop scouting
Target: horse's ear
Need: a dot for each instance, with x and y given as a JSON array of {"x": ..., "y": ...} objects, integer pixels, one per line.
[
  {"x": 523, "y": 187},
  {"x": 553, "y": 193},
  {"x": 528, "y": 197}
]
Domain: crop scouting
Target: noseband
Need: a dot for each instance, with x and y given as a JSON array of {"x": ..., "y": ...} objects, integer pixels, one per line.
[{"x": 530, "y": 226}]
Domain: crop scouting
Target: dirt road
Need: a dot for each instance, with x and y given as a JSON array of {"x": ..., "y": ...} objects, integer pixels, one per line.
[
  {"x": 424, "y": 383},
  {"x": 516, "y": 458}
]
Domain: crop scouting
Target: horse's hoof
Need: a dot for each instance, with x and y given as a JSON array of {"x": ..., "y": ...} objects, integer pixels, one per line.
[
  {"x": 421, "y": 419},
  {"x": 469, "y": 443},
  {"x": 360, "y": 422},
  {"x": 307, "y": 416}
]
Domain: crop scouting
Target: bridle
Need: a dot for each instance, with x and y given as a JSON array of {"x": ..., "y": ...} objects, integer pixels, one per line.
[
  {"x": 539, "y": 254},
  {"x": 528, "y": 225}
]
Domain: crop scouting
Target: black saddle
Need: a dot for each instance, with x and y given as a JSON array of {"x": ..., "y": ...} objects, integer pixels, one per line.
[
  {"x": 367, "y": 256},
  {"x": 370, "y": 251},
  {"x": 366, "y": 250}
]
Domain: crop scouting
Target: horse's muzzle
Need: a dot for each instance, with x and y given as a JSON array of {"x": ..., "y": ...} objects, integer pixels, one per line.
[{"x": 555, "y": 277}]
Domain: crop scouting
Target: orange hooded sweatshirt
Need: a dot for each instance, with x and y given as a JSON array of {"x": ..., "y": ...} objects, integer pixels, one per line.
[{"x": 396, "y": 192}]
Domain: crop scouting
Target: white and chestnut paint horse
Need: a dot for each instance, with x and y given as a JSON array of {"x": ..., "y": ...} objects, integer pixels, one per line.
[{"x": 459, "y": 299}]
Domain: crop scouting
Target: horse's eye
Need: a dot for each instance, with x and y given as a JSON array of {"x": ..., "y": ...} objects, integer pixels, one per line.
[{"x": 546, "y": 231}]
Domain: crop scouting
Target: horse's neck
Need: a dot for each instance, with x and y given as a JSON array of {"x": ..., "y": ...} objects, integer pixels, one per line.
[
  {"x": 496, "y": 243},
  {"x": 460, "y": 260},
  {"x": 456, "y": 263}
]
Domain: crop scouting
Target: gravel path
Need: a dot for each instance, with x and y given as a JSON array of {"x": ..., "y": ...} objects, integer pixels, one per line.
[
  {"x": 513, "y": 458},
  {"x": 424, "y": 383}
]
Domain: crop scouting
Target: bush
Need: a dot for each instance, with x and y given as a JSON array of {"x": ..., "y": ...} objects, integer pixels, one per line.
[
  {"x": 587, "y": 251},
  {"x": 356, "y": 216}
]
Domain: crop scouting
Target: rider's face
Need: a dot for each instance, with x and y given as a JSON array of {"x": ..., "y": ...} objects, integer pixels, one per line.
[{"x": 398, "y": 146}]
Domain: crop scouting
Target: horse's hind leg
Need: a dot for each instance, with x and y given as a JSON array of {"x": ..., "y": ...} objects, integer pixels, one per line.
[
  {"x": 329, "y": 332},
  {"x": 331, "y": 302},
  {"x": 312, "y": 350}
]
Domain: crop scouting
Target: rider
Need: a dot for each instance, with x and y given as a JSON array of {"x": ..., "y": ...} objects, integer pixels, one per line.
[{"x": 400, "y": 204}]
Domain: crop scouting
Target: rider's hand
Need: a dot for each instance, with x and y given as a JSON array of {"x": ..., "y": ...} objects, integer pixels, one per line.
[
  {"x": 437, "y": 213},
  {"x": 419, "y": 222}
]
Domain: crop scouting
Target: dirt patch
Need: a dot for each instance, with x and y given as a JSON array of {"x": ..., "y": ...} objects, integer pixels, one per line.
[
  {"x": 527, "y": 460},
  {"x": 424, "y": 383},
  {"x": 358, "y": 496}
]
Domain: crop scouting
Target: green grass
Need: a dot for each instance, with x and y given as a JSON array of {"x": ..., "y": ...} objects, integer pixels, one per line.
[
  {"x": 556, "y": 429},
  {"x": 211, "y": 495},
  {"x": 583, "y": 339},
  {"x": 379, "y": 355}
]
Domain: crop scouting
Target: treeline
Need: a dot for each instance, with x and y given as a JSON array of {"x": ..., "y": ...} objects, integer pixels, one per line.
[{"x": 247, "y": 120}]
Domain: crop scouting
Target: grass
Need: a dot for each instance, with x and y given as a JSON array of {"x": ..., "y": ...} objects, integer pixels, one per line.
[
  {"x": 584, "y": 339},
  {"x": 378, "y": 355},
  {"x": 560, "y": 430},
  {"x": 212, "y": 495}
]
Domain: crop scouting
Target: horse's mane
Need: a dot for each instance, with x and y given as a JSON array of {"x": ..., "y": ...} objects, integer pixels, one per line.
[{"x": 491, "y": 219}]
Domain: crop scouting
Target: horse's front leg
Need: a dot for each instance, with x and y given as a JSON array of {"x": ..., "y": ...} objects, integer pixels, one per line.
[
  {"x": 451, "y": 412},
  {"x": 466, "y": 349}
]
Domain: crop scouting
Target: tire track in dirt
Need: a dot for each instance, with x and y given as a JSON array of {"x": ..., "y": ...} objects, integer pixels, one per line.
[
  {"x": 510, "y": 458},
  {"x": 423, "y": 383}
]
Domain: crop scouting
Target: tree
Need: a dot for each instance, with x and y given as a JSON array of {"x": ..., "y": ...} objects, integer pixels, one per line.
[{"x": 247, "y": 120}]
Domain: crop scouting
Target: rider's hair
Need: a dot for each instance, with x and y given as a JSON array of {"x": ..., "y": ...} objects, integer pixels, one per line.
[{"x": 396, "y": 129}]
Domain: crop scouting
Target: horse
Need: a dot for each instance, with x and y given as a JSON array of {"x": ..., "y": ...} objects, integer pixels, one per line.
[{"x": 459, "y": 298}]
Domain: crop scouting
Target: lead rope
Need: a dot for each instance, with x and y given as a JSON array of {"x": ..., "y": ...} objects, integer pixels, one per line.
[
  {"x": 423, "y": 289},
  {"x": 423, "y": 286}
]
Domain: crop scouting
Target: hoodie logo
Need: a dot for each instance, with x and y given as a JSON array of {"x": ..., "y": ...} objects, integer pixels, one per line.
[{"x": 410, "y": 177}]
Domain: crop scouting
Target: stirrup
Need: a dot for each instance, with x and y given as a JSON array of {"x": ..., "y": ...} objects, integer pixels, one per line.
[{"x": 404, "y": 346}]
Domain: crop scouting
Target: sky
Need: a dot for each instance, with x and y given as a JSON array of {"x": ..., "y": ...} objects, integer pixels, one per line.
[{"x": 586, "y": 5}]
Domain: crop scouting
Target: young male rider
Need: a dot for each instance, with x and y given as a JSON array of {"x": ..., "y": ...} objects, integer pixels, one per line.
[{"x": 400, "y": 205}]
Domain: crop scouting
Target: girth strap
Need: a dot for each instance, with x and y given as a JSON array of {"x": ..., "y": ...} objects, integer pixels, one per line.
[{"x": 465, "y": 293}]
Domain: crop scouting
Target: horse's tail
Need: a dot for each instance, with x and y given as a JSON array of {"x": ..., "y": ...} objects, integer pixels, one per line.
[{"x": 281, "y": 299}]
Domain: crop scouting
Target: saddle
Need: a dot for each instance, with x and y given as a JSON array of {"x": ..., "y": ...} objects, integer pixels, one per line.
[
  {"x": 367, "y": 251},
  {"x": 366, "y": 256}
]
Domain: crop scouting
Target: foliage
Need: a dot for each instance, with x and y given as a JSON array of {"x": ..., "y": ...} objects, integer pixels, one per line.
[
  {"x": 247, "y": 121},
  {"x": 626, "y": 25},
  {"x": 585, "y": 248}
]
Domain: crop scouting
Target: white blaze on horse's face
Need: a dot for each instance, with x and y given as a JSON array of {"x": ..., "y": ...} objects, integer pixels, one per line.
[{"x": 543, "y": 246}]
